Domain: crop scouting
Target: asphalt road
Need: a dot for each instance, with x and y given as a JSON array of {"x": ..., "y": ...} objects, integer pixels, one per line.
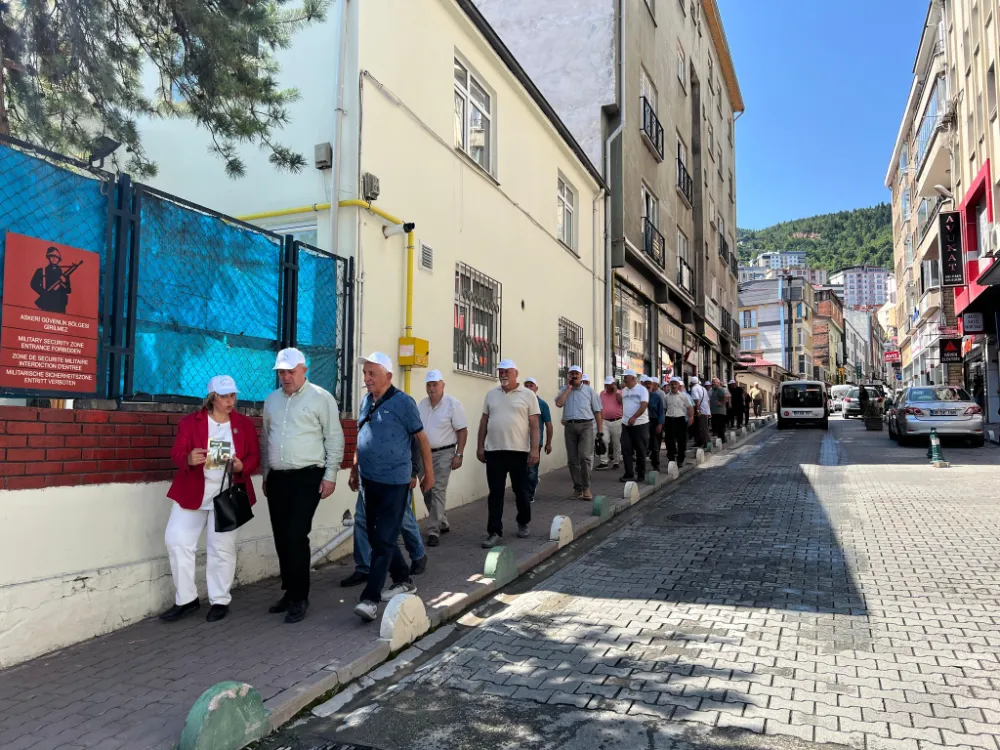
[{"x": 808, "y": 589}]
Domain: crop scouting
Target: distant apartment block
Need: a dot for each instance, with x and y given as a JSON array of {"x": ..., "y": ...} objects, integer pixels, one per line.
[
  {"x": 752, "y": 273},
  {"x": 812, "y": 275},
  {"x": 781, "y": 259},
  {"x": 864, "y": 286}
]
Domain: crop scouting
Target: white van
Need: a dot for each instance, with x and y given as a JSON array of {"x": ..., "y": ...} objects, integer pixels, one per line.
[{"x": 803, "y": 402}]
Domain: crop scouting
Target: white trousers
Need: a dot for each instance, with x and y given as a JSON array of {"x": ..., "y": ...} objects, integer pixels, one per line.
[
  {"x": 613, "y": 439},
  {"x": 183, "y": 531}
]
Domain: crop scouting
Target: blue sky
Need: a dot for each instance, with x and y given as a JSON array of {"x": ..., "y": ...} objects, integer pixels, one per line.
[{"x": 824, "y": 84}]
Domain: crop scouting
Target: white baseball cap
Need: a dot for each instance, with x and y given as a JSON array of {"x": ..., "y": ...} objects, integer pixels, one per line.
[
  {"x": 676, "y": 379},
  {"x": 223, "y": 385},
  {"x": 628, "y": 372},
  {"x": 531, "y": 380},
  {"x": 695, "y": 381},
  {"x": 433, "y": 376},
  {"x": 288, "y": 359},
  {"x": 377, "y": 358},
  {"x": 574, "y": 368},
  {"x": 609, "y": 380},
  {"x": 586, "y": 377},
  {"x": 507, "y": 364}
]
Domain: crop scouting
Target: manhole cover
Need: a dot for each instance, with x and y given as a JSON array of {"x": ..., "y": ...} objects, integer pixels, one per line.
[{"x": 696, "y": 519}]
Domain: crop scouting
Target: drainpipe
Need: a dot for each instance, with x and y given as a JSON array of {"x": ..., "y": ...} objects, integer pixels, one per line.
[
  {"x": 594, "y": 241},
  {"x": 608, "y": 271},
  {"x": 338, "y": 128}
]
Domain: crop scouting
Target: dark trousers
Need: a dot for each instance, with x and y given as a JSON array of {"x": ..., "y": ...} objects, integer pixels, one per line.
[
  {"x": 385, "y": 505},
  {"x": 719, "y": 426},
  {"x": 635, "y": 441},
  {"x": 292, "y": 499},
  {"x": 756, "y": 408},
  {"x": 675, "y": 431},
  {"x": 746, "y": 414},
  {"x": 654, "y": 445},
  {"x": 500, "y": 465}
]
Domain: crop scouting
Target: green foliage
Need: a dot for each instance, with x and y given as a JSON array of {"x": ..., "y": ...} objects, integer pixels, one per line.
[
  {"x": 73, "y": 71},
  {"x": 831, "y": 241}
]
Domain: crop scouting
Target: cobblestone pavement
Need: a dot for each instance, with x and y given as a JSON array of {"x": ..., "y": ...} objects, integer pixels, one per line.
[{"x": 815, "y": 588}]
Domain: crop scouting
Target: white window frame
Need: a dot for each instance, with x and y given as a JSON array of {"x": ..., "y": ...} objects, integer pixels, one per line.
[
  {"x": 682, "y": 66},
  {"x": 647, "y": 88},
  {"x": 565, "y": 212},
  {"x": 748, "y": 342},
  {"x": 649, "y": 199},
  {"x": 464, "y": 91},
  {"x": 750, "y": 315},
  {"x": 683, "y": 246}
]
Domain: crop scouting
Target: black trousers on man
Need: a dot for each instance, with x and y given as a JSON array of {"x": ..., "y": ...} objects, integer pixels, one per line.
[
  {"x": 292, "y": 499},
  {"x": 675, "y": 430},
  {"x": 385, "y": 505},
  {"x": 500, "y": 465},
  {"x": 719, "y": 426},
  {"x": 655, "y": 438},
  {"x": 635, "y": 442}
]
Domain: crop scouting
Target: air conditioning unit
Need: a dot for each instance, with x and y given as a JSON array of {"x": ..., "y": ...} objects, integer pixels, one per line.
[{"x": 994, "y": 238}]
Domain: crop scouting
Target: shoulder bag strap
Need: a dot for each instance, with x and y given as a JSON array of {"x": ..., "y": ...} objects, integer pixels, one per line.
[{"x": 375, "y": 406}]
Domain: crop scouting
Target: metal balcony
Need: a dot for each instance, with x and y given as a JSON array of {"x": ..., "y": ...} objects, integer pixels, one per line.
[
  {"x": 684, "y": 276},
  {"x": 723, "y": 248},
  {"x": 652, "y": 131},
  {"x": 734, "y": 266},
  {"x": 685, "y": 185},
  {"x": 653, "y": 244}
]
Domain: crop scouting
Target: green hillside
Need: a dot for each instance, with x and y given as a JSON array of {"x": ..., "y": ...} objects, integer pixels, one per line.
[{"x": 832, "y": 241}]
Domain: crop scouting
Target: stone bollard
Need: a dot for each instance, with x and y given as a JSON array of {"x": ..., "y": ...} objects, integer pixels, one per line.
[
  {"x": 717, "y": 444},
  {"x": 699, "y": 455},
  {"x": 227, "y": 716},
  {"x": 652, "y": 477},
  {"x": 672, "y": 471},
  {"x": 561, "y": 531},
  {"x": 602, "y": 506},
  {"x": 500, "y": 566},
  {"x": 743, "y": 431},
  {"x": 632, "y": 492},
  {"x": 404, "y": 620}
]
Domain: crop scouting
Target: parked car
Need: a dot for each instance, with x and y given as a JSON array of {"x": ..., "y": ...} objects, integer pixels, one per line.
[
  {"x": 852, "y": 404},
  {"x": 837, "y": 394},
  {"x": 948, "y": 409}
]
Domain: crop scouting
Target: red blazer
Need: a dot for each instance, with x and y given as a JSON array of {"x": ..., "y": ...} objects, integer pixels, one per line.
[{"x": 188, "y": 488}]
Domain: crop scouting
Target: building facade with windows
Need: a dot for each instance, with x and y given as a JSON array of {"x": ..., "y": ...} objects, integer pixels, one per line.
[
  {"x": 507, "y": 209},
  {"x": 650, "y": 91},
  {"x": 776, "y": 323},
  {"x": 812, "y": 275},
  {"x": 828, "y": 335},
  {"x": 864, "y": 286},
  {"x": 777, "y": 259}
]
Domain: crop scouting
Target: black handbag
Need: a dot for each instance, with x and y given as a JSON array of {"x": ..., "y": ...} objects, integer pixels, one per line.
[
  {"x": 599, "y": 446},
  {"x": 232, "y": 504}
]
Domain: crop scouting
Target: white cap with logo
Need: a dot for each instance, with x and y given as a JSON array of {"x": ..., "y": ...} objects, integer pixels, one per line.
[
  {"x": 377, "y": 358},
  {"x": 609, "y": 380},
  {"x": 433, "y": 376},
  {"x": 575, "y": 368},
  {"x": 628, "y": 372},
  {"x": 222, "y": 385},
  {"x": 507, "y": 364},
  {"x": 289, "y": 359}
]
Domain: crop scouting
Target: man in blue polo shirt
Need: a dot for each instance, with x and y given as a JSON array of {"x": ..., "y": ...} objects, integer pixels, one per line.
[{"x": 388, "y": 423}]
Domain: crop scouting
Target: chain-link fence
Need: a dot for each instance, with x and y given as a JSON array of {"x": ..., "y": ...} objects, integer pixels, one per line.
[{"x": 186, "y": 293}]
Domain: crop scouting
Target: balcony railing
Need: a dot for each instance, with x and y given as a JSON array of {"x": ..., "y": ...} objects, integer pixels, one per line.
[
  {"x": 652, "y": 129},
  {"x": 723, "y": 247},
  {"x": 734, "y": 266},
  {"x": 727, "y": 322},
  {"x": 926, "y": 214},
  {"x": 653, "y": 244},
  {"x": 684, "y": 280},
  {"x": 684, "y": 182},
  {"x": 736, "y": 330}
]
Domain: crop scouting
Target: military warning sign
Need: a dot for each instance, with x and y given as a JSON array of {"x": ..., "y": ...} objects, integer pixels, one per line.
[
  {"x": 48, "y": 322},
  {"x": 951, "y": 351}
]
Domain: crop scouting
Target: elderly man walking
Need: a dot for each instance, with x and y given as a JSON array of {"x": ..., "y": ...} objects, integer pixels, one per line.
[
  {"x": 447, "y": 430},
  {"x": 757, "y": 397},
  {"x": 581, "y": 407},
  {"x": 544, "y": 436},
  {"x": 508, "y": 443},
  {"x": 719, "y": 399},
  {"x": 611, "y": 411},
  {"x": 656, "y": 420},
  {"x": 702, "y": 412},
  {"x": 679, "y": 416},
  {"x": 302, "y": 445},
  {"x": 635, "y": 431},
  {"x": 388, "y": 423}
]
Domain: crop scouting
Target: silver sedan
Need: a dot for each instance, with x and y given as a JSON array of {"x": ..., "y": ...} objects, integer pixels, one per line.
[{"x": 947, "y": 409}]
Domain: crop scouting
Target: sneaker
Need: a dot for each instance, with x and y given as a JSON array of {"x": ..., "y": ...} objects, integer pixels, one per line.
[
  {"x": 178, "y": 611},
  {"x": 418, "y": 566},
  {"x": 492, "y": 541},
  {"x": 522, "y": 531},
  {"x": 354, "y": 579},
  {"x": 367, "y": 611},
  {"x": 575, "y": 495},
  {"x": 296, "y": 611},
  {"x": 398, "y": 588},
  {"x": 217, "y": 612},
  {"x": 433, "y": 540},
  {"x": 602, "y": 467}
]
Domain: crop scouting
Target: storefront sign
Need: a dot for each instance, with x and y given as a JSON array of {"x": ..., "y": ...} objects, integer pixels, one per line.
[
  {"x": 48, "y": 323},
  {"x": 973, "y": 323},
  {"x": 710, "y": 335},
  {"x": 670, "y": 333},
  {"x": 951, "y": 351},
  {"x": 952, "y": 261},
  {"x": 892, "y": 356},
  {"x": 948, "y": 331}
]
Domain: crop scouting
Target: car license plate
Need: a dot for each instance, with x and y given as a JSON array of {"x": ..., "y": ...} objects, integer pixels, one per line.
[
  {"x": 943, "y": 412},
  {"x": 802, "y": 414}
]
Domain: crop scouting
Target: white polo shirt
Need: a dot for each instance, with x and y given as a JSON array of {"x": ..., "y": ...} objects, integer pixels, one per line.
[
  {"x": 441, "y": 422},
  {"x": 632, "y": 400},
  {"x": 509, "y": 428}
]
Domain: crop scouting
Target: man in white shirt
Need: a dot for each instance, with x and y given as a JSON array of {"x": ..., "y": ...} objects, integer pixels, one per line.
[
  {"x": 702, "y": 412},
  {"x": 635, "y": 429},
  {"x": 447, "y": 430},
  {"x": 508, "y": 444}
]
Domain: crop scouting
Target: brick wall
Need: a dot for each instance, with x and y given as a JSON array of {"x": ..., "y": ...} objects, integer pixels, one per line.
[{"x": 64, "y": 447}]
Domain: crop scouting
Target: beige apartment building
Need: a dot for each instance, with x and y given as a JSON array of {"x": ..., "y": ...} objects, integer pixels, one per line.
[
  {"x": 942, "y": 162},
  {"x": 649, "y": 89}
]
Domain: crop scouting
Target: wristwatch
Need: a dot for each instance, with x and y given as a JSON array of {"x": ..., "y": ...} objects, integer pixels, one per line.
[{"x": 458, "y": 455}]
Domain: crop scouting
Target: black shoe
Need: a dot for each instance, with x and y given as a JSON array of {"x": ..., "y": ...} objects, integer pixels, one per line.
[
  {"x": 419, "y": 566},
  {"x": 641, "y": 478},
  {"x": 217, "y": 612},
  {"x": 296, "y": 611},
  {"x": 433, "y": 540},
  {"x": 626, "y": 478},
  {"x": 354, "y": 579},
  {"x": 445, "y": 529},
  {"x": 178, "y": 611},
  {"x": 279, "y": 606}
]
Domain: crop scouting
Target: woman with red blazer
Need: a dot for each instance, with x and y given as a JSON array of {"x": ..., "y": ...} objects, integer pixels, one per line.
[{"x": 206, "y": 441}]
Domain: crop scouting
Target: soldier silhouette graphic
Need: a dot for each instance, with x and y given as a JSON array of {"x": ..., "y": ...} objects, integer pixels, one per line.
[{"x": 52, "y": 283}]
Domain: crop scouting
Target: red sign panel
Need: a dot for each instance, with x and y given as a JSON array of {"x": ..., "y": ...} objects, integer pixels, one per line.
[
  {"x": 48, "y": 323},
  {"x": 892, "y": 356}
]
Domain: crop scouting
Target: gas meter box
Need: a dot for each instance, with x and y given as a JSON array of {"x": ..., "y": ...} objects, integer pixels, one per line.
[{"x": 413, "y": 352}]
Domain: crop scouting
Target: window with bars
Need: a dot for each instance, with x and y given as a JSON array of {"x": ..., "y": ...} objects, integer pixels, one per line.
[
  {"x": 570, "y": 347},
  {"x": 478, "y": 303}
]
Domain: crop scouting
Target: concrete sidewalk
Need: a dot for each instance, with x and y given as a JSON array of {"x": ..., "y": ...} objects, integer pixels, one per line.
[{"x": 133, "y": 688}]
